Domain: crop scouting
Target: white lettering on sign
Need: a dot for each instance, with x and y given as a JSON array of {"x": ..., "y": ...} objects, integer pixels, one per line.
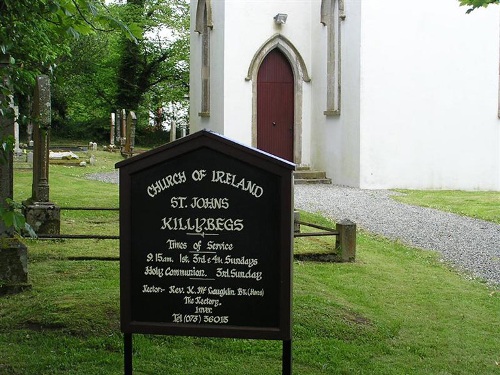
[
  {"x": 211, "y": 245},
  {"x": 250, "y": 262},
  {"x": 176, "y": 245},
  {"x": 233, "y": 180},
  {"x": 201, "y": 278},
  {"x": 218, "y": 177},
  {"x": 206, "y": 203},
  {"x": 233, "y": 273},
  {"x": 165, "y": 183},
  {"x": 210, "y": 203},
  {"x": 152, "y": 289},
  {"x": 201, "y": 224}
]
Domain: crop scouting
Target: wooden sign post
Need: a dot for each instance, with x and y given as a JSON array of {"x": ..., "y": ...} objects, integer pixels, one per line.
[{"x": 206, "y": 236}]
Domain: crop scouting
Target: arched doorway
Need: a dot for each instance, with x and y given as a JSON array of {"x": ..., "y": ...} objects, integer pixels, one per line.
[{"x": 275, "y": 106}]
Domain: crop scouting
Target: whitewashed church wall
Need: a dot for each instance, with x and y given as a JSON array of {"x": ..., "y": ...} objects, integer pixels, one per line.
[
  {"x": 249, "y": 24},
  {"x": 240, "y": 29},
  {"x": 238, "y": 55},
  {"x": 419, "y": 89},
  {"x": 335, "y": 141},
  {"x": 429, "y": 96}
]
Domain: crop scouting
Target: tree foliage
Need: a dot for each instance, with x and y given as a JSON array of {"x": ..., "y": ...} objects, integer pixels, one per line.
[
  {"x": 155, "y": 70},
  {"x": 106, "y": 71},
  {"x": 95, "y": 62},
  {"x": 474, "y": 4},
  {"x": 35, "y": 33}
]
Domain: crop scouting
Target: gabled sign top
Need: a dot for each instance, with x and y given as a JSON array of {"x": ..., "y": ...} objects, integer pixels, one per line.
[{"x": 207, "y": 138}]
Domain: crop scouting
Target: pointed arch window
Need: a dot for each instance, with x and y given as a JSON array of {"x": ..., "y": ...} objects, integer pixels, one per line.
[
  {"x": 332, "y": 15},
  {"x": 203, "y": 27}
]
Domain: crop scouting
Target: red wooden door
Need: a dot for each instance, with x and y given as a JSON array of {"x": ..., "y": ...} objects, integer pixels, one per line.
[{"x": 275, "y": 106}]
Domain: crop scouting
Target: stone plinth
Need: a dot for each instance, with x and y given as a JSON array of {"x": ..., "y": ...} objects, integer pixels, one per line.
[
  {"x": 44, "y": 217},
  {"x": 13, "y": 266}
]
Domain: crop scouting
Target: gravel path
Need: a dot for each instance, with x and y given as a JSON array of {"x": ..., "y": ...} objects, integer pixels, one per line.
[
  {"x": 110, "y": 177},
  {"x": 469, "y": 244}
]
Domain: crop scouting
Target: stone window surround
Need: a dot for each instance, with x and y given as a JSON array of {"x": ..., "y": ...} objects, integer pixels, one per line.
[
  {"x": 203, "y": 25},
  {"x": 332, "y": 15}
]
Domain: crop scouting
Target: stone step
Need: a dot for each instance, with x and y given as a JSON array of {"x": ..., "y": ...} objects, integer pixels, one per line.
[
  {"x": 302, "y": 168},
  {"x": 312, "y": 181},
  {"x": 304, "y": 175},
  {"x": 309, "y": 174}
]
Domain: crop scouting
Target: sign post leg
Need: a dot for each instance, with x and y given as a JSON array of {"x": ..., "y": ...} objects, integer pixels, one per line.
[
  {"x": 287, "y": 357},
  {"x": 127, "y": 352}
]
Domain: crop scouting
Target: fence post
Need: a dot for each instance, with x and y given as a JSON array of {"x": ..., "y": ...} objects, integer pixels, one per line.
[
  {"x": 345, "y": 243},
  {"x": 296, "y": 219}
]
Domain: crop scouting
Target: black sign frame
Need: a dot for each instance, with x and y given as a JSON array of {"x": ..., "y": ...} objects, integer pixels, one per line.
[{"x": 276, "y": 170}]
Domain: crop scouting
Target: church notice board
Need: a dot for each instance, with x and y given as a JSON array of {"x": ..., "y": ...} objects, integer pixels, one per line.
[{"x": 206, "y": 240}]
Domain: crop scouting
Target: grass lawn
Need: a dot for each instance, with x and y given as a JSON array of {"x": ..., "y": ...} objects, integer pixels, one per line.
[
  {"x": 396, "y": 310},
  {"x": 483, "y": 205}
]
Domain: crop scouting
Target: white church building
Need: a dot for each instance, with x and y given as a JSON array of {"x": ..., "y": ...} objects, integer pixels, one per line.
[{"x": 376, "y": 93}]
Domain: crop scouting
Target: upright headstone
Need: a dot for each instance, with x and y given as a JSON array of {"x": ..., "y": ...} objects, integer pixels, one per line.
[
  {"x": 132, "y": 119},
  {"x": 41, "y": 214},
  {"x": 41, "y": 132},
  {"x": 118, "y": 126},
  {"x": 6, "y": 164},
  {"x": 130, "y": 134},
  {"x": 17, "y": 149},
  {"x": 123, "y": 124},
  {"x": 13, "y": 253},
  {"x": 173, "y": 127},
  {"x": 29, "y": 158},
  {"x": 112, "y": 131},
  {"x": 29, "y": 128}
]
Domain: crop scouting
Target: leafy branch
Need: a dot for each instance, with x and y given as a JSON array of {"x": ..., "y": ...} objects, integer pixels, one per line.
[
  {"x": 12, "y": 217},
  {"x": 474, "y": 4}
]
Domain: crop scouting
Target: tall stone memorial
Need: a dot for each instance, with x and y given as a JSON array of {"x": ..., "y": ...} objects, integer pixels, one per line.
[
  {"x": 128, "y": 149},
  {"x": 112, "y": 131},
  {"x": 43, "y": 215},
  {"x": 206, "y": 236},
  {"x": 6, "y": 130},
  {"x": 13, "y": 253}
]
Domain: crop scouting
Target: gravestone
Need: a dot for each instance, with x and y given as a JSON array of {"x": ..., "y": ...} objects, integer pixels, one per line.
[
  {"x": 13, "y": 253},
  {"x": 17, "y": 149},
  {"x": 206, "y": 236},
  {"x": 43, "y": 215},
  {"x": 6, "y": 130},
  {"x": 118, "y": 127},
  {"x": 29, "y": 158},
  {"x": 112, "y": 131},
  {"x": 130, "y": 124},
  {"x": 123, "y": 125},
  {"x": 173, "y": 129}
]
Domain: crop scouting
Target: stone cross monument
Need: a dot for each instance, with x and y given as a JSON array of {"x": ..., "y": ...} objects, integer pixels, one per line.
[{"x": 41, "y": 214}]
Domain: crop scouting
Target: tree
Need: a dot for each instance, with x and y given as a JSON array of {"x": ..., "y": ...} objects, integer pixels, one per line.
[
  {"x": 33, "y": 34},
  {"x": 474, "y": 4},
  {"x": 36, "y": 32},
  {"x": 156, "y": 70},
  {"x": 104, "y": 71},
  {"x": 84, "y": 88}
]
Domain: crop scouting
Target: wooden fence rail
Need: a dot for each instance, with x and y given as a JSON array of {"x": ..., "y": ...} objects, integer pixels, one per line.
[{"x": 345, "y": 233}]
